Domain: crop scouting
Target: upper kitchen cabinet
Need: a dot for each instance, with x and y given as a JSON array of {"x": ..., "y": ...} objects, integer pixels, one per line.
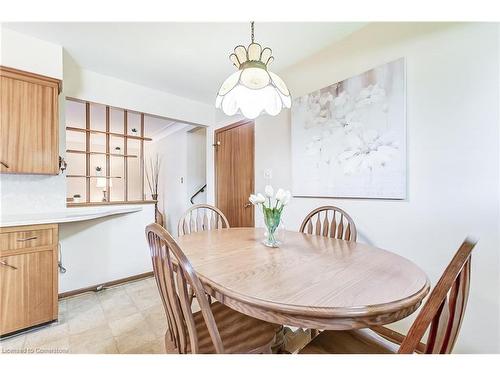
[{"x": 29, "y": 123}]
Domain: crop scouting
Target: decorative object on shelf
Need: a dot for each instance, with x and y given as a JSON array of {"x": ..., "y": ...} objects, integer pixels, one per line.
[
  {"x": 134, "y": 130},
  {"x": 62, "y": 164},
  {"x": 253, "y": 89},
  {"x": 152, "y": 176},
  {"x": 272, "y": 211},
  {"x": 349, "y": 139},
  {"x": 77, "y": 198},
  {"x": 101, "y": 183},
  {"x": 118, "y": 149}
]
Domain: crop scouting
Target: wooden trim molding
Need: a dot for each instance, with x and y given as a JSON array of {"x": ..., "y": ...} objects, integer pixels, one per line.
[
  {"x": 108, "y": 284},
  {"x": 106, "y": 132},
  {"x": 29, "y": 77},
  {"x": 99, "y": 153},
  {"x": 141, "y": 153},
  {"x": 235, "y": 125},
  {"x": 91, "y": 204},
  {"x": 87, "y": 156}
]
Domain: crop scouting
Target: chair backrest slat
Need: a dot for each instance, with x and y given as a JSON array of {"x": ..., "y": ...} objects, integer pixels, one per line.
[
  {"x": 444, "y": 310},
  {"x": 173, "y": 272},
  {"x": 158, "y": 267},
  {"x": 199, "y": 221},
  {"x": 333, "y": 226},
  {"x": 310, "y": 227},
  {"x": 205, "y": 221},
  {"x": 340, "y": 228},
  {"x": 326, "y": 225},
  {"x": 201, "y": 217},
  {"x": 186, "y": 310},
  {"x": 348, "y": 232},
  {"x": 340, "y": 225},
  {"x": 318, "y": 225}
]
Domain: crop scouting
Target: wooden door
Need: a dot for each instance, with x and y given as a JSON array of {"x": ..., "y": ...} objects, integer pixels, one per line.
[
  {"x": 29, "y": 120},
  {"x": 26, "y": 290},
  {"x": 234, "y": 172}
]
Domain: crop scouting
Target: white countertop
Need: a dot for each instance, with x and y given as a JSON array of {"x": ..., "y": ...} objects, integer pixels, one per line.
[{"x": 66, "y": 216}]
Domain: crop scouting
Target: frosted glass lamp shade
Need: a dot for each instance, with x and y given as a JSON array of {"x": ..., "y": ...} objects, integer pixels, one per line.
[{"x": 252, "y": 90}]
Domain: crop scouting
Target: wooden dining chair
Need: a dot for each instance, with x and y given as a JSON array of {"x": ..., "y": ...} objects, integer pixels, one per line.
[
  {"x": 214, "y": 329},
  {"x": 330, "y": 221},
  {"x": 442, "y": 315},
  {"x": 201, "y": 217}
]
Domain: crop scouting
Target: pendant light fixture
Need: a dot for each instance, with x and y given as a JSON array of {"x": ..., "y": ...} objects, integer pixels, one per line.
[{"x": 253, "y": 89}]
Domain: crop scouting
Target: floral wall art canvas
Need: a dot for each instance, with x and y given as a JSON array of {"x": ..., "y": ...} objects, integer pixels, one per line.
[{"x": 349, "y": 139}]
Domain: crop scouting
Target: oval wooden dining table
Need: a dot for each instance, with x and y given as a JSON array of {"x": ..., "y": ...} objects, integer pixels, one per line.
[{"x": 309, "y": 281}]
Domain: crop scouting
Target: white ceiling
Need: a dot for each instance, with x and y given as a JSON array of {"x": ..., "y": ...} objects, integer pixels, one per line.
[{"x": 186, "y": 59}]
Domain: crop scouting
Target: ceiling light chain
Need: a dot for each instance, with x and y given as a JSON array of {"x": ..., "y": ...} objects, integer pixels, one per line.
[{"x": 251, "y": 25}]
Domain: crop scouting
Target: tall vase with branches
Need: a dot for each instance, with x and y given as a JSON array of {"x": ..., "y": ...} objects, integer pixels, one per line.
[{"x": 152, "y": 176}]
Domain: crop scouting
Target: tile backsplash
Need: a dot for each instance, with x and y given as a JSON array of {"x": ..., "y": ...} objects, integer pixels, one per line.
[{"x": 32, "y": 194}]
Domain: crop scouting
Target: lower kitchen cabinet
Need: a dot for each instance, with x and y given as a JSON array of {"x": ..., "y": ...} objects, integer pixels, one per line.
[{"x": 28, "y": 276}]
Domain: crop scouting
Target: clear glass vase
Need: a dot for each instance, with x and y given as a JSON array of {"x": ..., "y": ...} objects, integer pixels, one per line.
[{"x": 272, "y": 219}]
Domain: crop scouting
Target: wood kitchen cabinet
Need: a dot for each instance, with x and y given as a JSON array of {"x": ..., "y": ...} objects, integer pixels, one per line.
[
  {"x": 28, "y": 276},
  {"x": 29, "y": 122}
]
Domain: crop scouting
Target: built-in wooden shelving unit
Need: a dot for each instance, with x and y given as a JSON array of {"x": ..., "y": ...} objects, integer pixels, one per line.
[
  {"x": 82, "y": 130},
  {"x": 131, "y": 139},
  {"x": 100, "y": 153}
]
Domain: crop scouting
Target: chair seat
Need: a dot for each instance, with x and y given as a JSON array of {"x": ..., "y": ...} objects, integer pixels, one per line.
[
  {"x": 361, "y": 341},
  {"x": 239, "y": 333}
]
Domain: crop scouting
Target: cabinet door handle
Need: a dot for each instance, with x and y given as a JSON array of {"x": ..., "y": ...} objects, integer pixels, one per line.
[
  {"x": 4, "y": 263},
  {"x": 4, "y": 164},
  {"x": 27, "y": 239}
]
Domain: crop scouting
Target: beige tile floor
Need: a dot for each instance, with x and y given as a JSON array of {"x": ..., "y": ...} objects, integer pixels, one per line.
[
  {"x": 124, "y": 319},
  {"x": 128, "y": 318}
]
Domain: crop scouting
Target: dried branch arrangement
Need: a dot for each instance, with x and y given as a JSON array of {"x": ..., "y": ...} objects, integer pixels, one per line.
[{"x": 152, "y": 175}]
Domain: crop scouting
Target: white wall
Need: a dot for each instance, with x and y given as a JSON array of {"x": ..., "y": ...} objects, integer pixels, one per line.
[
  {"x": 453, "y": 150},
  {"x": 173, "y": 200},
  {"x": 31, "y": 54},
  {"x": 105, "y": 249},
  {"x": 182, "y": 172}
]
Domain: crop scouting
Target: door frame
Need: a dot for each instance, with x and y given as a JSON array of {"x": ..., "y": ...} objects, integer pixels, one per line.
[{"x": 214, "y": 145}]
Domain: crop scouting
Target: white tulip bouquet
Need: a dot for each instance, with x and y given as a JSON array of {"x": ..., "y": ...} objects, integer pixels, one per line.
[{"x": 272, "y": 210}]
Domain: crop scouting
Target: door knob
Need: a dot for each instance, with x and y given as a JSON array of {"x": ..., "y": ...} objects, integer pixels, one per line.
[{"x": 247, "y": 205}]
